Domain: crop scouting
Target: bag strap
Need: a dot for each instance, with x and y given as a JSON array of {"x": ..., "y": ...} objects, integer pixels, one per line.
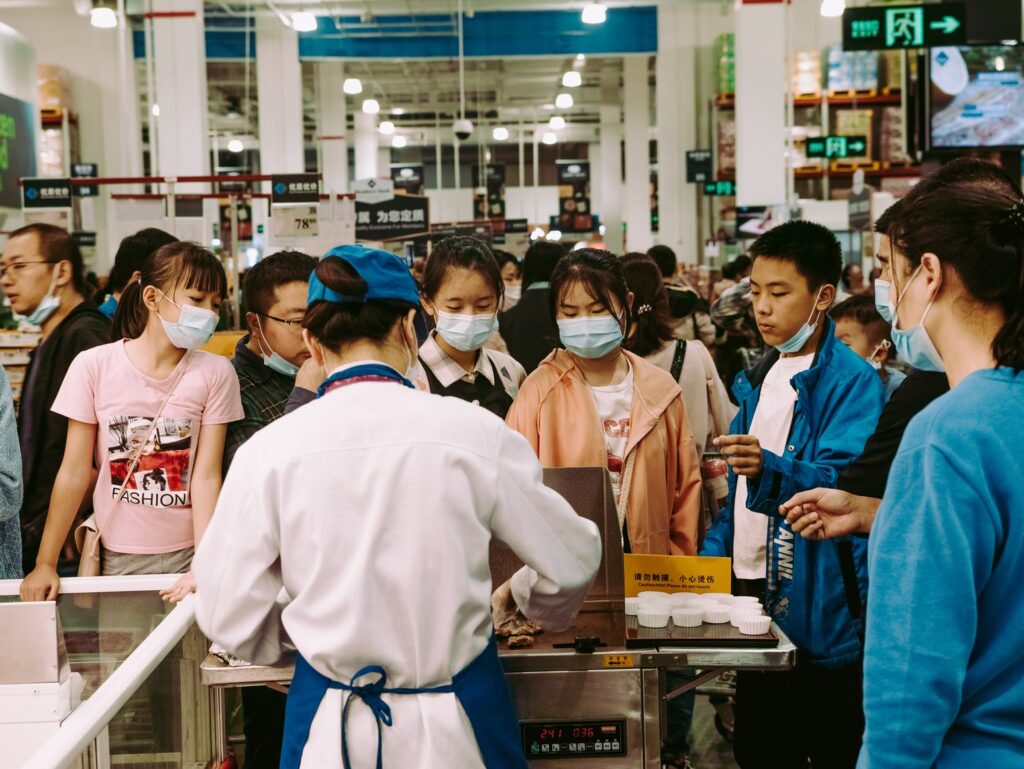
[
  {"x": 152, "y": 429},
  {"x": 679, "y": 359},
  {"x": 849, "y": 570},
  {"x": 622, "y": 503}
]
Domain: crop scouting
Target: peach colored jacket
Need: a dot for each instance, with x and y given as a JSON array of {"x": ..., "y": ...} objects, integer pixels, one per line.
[{"x": 555, "y": 410}]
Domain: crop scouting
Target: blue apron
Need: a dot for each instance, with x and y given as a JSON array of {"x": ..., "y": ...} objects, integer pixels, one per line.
[{"x": 481, "y": 689}]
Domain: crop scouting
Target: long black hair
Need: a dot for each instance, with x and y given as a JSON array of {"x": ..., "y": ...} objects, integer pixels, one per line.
[
  {"x": 970, "y": 214},
  {"x": 651, "y": 317},
  {"x": 461, "y": 252},
  {"x": 599, "y": 272}
]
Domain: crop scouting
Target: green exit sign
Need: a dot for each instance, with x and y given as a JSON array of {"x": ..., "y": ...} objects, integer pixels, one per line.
[
  {"x": 723, "y": 188},
  {"x": 882, "y": 27},
  {"x": 837, "y": 147}
]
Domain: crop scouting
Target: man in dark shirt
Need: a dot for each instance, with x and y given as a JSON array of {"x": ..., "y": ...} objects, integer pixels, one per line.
[
  {"x": 528, "y": 329},
  {"x": 267, "y": 361},
  {"x": 41, "y": 273}
]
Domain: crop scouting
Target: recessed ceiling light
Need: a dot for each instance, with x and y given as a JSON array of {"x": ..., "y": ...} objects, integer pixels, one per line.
[
  {"x": 500, "y": 134},
  {"x": 563, "y": 101},
  {"x": 557, "y": 123},
  {"x": 303, "y": 21},
  {"x": 594, "y": 13},
  {"x": 103, "y": 18},
  {"x": 387, "y": 128},
  {"x": 235, "y": 145},
  {"x": 572, "y": 79},
  {"x": 550, "y": 138},
  {"x": 352, "y": 86},
  {"x": 371, "y": 106},
  {"x": 398, "y": 142}
]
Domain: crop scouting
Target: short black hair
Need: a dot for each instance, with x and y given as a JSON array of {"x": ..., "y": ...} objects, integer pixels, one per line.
[
  {"x": 57, "y": 245},
  {"x": 540, "y": 261},
  {"x": 460, "y": 252},
  {"x": 599, "y": 272},
  {"x": 132, "y": 253},
  {"x": 504, "y": 257},
  {"x": 742, "y": 263},
  {"x": 812, "y": 248},
  {"x": 862, "y": 310},
  {"x": 665, "y": 258},
  {"x": 272, "y": 272},
  {"x": 885, "y": 222},
  {"x": 729, "y": 271}
]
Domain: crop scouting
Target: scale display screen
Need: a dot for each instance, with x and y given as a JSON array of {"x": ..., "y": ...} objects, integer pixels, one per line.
[{"x": 573, "y": 739}]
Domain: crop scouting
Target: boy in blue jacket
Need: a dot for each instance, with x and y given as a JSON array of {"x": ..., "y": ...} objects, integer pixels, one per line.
[{"x": 806, "y": 411}]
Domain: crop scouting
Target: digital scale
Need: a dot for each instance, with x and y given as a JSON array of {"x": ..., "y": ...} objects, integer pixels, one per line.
[{"x": 573, "y": 739}]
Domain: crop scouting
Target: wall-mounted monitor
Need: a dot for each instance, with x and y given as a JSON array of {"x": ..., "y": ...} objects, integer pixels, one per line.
[
  {"x": 17, "y": 148},
  {"x": 976, "y": 97}
]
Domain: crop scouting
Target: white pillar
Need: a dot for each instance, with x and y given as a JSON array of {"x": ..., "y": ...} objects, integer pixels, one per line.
[
  {"x": 636, "y": 106},
  {"x": 384, "y": 160},
  {"x": 279, "y": 85},
  {"x": 677, "y": 128},
  {"x": 367, "y": 156},
  {"x": 333, "y": 125},
  {"x": 610, "y": 175},
  {"x": 180, "y": 78}
]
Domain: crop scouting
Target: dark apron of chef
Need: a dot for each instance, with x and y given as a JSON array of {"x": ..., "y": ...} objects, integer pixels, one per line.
[
  {"x": 480, "y": 688},
  {"x": 491, "y": 396}
]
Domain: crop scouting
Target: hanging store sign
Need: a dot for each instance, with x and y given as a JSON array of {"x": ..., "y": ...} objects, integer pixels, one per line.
[
  {"x": 724, "y": 188},
  {"x": 574, "y": 212},
  {"x": 874, "y": 28},
  {"x": 46, "y": 193},
  {"x": 698, "y": 166},
  {"x": 294, "y": 189},
  {"x": 399, "y": 217},
  {"x": 374, "y": 190},
  {"x": 17, "y": 148},
  {"x": 85, "y": 171},
  {"x": 836, "y": 147},
  {"x": 408, "y": 178}
]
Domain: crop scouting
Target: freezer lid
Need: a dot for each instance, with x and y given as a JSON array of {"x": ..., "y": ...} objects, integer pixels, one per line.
[{"x": 589, "y": 491}]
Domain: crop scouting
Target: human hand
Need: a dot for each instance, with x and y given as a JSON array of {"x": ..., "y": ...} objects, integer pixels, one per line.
[
  {"x": 743, "y": 453},
  {"x": 180, "y": 589},
  {"x": 42, "y": 584},
  {"x": 821, "y": 514},
  {"x": 310, "y": 376},
  {"x": 503, "y": 605}
]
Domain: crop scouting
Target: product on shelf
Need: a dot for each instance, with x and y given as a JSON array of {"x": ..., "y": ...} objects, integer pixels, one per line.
[
  {"x": 856, "y": 122},
  {"x": 855, "y": 71},
  {"x": 891, "y": 137},
  {"x": 54, "y": 88},
  {"x": 892, "y": 71},
  {"x": 806, "y": 79},
  {"x": 15, "y": 347},
  {"x": 725, "y": 64},
  {"x": 727, "y": 143}
]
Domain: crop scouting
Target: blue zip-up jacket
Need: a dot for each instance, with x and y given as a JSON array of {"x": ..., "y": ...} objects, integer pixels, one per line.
[{"x": 839, "y": 400}]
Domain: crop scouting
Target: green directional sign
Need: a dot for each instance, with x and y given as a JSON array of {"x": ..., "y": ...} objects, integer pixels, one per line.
[
  {"x": 881, "y": 27},
  {"x": 837, "y": 147},
  {"x": 725, "y": 188}
]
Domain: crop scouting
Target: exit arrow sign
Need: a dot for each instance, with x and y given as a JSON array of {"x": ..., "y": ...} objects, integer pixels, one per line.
[
  {"x": 837, "y": 147},
  {"x": 887, "y": 27}
]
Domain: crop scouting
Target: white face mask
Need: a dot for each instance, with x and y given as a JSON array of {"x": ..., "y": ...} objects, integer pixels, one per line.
[
  {"x": 47, "y": 305},
  {"x": 194, "y": 327},
  {"x": 274, "y": 361}
]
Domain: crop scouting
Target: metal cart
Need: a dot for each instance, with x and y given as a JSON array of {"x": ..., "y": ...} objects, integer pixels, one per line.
[{"x": 582, "y": 695}]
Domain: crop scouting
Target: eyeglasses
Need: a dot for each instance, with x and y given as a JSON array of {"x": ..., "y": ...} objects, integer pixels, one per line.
[
  {"x": 294, "y": 326},
  {"x": 17, "y": 267}
]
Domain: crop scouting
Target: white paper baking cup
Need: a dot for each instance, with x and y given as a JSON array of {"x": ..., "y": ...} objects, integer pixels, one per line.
[
  {"x": 745, "y": 599},
  {"x": 680, "y": 600},
  {"x": 755, "y": 625},
  {"x": 719, "y": 615},
  {"x": 726, "y": 599},
  {"x": 632, "y": 606},
  {"x": 740, "y": 613},
  {"x": 652, "y": 618},
  {"x": 655, "y": 594},
  {"x": 688, "y": 617}
]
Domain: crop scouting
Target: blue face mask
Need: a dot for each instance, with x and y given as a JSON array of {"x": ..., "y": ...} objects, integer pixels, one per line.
[
  {"x": 882, "y": 288},
  {"x": 194, "y": 327},
  {"x": 47, "y": 306},
  {"x": 466, "y": 332},
  {"x": 109, "y": 306},
  {"x": 799, "y": 339},
  {"x": 592, "y": 337},
  {"x": 274, "y": 361},
  {"x": 913, "y": 345}
]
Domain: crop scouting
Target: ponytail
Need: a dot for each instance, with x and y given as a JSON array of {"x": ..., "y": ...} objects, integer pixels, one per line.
[
  {"x": 175, "y": 264},
  {"x": 132, "y": 314},
  {"x": 652, "y": 319}
]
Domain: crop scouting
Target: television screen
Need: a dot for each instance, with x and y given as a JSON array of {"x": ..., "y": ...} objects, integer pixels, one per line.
[
  {"x": 17, "y": 148},
  {"x": 977, "y": 97}
]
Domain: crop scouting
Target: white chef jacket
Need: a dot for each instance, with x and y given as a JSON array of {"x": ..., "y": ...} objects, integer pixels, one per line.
[{"x": 373, "y": 507}]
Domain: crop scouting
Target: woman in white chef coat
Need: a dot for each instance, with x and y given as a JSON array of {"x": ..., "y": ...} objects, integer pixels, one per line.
[{"x": 373, "y": 508}]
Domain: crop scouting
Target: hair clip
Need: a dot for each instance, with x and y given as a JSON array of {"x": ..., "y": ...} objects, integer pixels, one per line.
[
  {"x": 644, "y": 309},
  {"x": 1016, "y": 215}
]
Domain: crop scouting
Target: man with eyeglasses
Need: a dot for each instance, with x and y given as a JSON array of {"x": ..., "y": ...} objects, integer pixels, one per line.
[
  {"x": 42, "y": 275},
  {"x": 269, "y": 363}
]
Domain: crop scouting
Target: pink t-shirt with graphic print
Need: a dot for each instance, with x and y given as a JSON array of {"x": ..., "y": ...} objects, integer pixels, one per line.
[{"x": 103, "y": 387}]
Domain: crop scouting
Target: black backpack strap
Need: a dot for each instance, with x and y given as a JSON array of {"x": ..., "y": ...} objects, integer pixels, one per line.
[
  {"x": 849, "y": 570},
  {"x": 679, "y": 359}
]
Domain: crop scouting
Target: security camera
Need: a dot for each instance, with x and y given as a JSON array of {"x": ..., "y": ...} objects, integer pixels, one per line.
[{"x": 463, "y": 129}]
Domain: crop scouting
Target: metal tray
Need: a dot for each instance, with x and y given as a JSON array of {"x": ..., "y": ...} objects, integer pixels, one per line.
[{"x": 705, "y": 636}]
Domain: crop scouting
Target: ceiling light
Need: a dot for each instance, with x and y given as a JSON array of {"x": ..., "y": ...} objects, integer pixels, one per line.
[
  {"x": 580, "y": 245},
  {"x": 397, "y": 111},
  {"x": 500, "y": 134},
  {"x": 352, "y": 86},
  {"x": 833, "y": 8},
  {"x": 1000, "y": 64},
  {"x": 235, "y": 145},
  {"x": 581, "y": 57},
  {"x": 572, "y": 79},
  {"x": 555, "y": 235},
  {"x": 550, "y": 138},
  {"x": 371, "y": 106},
  {"x": 156, "y": 110},
  {"x": 387, "y": 127},
  {"x": 303, "y": 21},
  {"x": 594, "y": 13},
  {"x": 103, "y": 18},
  {"x": 557, "y": 123},
  {"x": 563, "y": 101},
  {"x": 398, "y": 142}
]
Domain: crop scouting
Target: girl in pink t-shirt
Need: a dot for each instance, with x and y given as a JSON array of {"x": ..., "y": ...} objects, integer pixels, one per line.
[{"x": 111, "y": 396}]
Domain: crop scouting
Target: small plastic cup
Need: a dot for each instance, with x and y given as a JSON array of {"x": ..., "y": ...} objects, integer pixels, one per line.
[
  {"x": 716, "y": 616},
  {"x": 632, "y": 606},
  {"x": 755, "y": 625},
  {"x": 653, "y": 619},
  {"x": 688, "y": 617}
]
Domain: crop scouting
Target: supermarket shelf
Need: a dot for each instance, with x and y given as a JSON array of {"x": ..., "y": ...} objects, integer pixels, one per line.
[
  {"x": 728, "y": 101},
  {"x": 894, "y": 172}
]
